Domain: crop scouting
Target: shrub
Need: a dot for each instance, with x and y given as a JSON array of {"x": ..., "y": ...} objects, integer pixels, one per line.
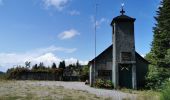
[
  {"x": 156, "y": 77},
  {"x": 100, "y": 83},
  {"x": 2, "y": 76},
  {"x": 165, "y": 93},
  {"x": 153, "y": 78},
  {"x": 108, "y": 84}
]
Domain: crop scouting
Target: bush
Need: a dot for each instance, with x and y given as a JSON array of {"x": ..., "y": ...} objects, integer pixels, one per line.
[
  {"x": 156, "y": 77},
  {"x": 108, "y": 84},
  {"x": 84, "y": 73},
  {"x": 165, "y": 94},
  {"x": 100, "y": 83},
  {"x": 153, "y": 78},
  {"x": 2, "y": 76}
]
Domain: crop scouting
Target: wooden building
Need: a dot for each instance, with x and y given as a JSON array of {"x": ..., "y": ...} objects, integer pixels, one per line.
[{"x": 120, "y": 62}]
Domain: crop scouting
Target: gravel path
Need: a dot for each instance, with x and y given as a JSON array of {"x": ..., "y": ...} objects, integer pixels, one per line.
[{"x": 116, "y": 95}]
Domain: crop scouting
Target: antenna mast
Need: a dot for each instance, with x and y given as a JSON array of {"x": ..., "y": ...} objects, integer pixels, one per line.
[{"x": 95, "y": 31}]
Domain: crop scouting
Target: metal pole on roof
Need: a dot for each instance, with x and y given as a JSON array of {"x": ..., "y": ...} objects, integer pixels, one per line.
[{"x": 95, "y": 32}]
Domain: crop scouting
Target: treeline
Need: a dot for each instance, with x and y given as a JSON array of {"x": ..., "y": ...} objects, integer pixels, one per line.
[
  {"x": 72, "y": 72},
  {"x": 2, "y": 75},
  {"x": 1, "y": 72},
  {"x": 158, "y": 77}
]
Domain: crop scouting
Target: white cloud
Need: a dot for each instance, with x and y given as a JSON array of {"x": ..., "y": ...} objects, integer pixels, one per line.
[
  {"x": 99, "y": 22},
  {"x": 74, "y": 61},
  {"x": 47, "y": 58},
  {"x": 74, "y": 13},
  {"x": 50, "y": 58},
  {"x": 68, "y": 34},
  {"x": 58, "y": 4},
  {"x": 45, "y": 55},
  {"x": 54, "y": 48}
]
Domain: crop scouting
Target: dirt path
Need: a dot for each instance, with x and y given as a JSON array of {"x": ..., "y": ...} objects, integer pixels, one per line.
[{"x": 116, "y": 95}]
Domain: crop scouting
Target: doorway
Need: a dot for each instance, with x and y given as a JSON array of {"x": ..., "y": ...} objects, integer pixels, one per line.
[{"x": 125, "y": 75}]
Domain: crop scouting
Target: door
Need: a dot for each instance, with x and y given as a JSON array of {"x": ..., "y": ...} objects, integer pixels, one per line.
[{"x": 125, "y": 75}]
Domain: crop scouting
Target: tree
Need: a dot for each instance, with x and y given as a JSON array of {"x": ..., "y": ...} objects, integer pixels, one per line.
[
  {"x": 27, "y": 64},
  {"x": 167, "y": 57},
  {"x": 41, "y": 66},
  {"x": 159, "y": 56},
  {"x": 35, "y": 67},
  {"x": 84, "y": 73},
  {"x": 150, "y": 58},
  {"x": 62, "y": 65},
  {"x": 85, "y": 70},
  {"x": 161, "y": 41},
  {"x": 54, "y": 66},
  {"x": 77, "y": 64}
]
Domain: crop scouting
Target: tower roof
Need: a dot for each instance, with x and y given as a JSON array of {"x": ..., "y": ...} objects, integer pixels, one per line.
[{"x": 122, "y": 17}]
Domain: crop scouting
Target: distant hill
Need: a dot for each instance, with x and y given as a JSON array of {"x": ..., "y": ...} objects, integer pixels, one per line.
[{"x": 1, "y": 72}]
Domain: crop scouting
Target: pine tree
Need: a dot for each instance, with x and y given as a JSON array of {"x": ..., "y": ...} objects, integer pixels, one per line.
[
  {"x": 77, "y": 64},
  {"x": 159, "y": 56},
  {"x": 54, "y": 66},
  {"x": 35, "y": 67},
  {"x": 62, "y": 65},
  {"x": 27, "y": 64},
  {"x": 161, "y": 42},
  {"x": 41, "y": 66}
]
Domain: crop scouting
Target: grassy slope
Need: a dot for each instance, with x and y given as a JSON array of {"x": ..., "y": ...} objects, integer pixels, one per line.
[
  {"x": 12, "y": 90},
  {"x": 29, "y": 90},
  {"x": 144, "y": 94}
]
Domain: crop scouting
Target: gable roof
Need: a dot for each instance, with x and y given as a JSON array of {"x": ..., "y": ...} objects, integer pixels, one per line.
[
  {"x": 140, "y": 57},
  {"x": 111, "y": 48},
  {"x": 106, "y": 50}
]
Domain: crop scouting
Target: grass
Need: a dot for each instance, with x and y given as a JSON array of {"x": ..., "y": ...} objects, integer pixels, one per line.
[
  {"x": 30, "y": 90},
  {"x": 165, "y": 92},
  {"x": 143, "y": 94},
  {"x": 2, "y": 77},
  {"x": 149, "y": 95}
]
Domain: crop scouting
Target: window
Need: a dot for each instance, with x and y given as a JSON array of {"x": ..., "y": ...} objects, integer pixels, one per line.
[
  {"x": 104, "y": 72},
  {"x": 126, "y": 56}
]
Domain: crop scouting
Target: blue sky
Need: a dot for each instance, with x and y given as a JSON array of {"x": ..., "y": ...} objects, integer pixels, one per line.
[{"x": 55, "y": 30}]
